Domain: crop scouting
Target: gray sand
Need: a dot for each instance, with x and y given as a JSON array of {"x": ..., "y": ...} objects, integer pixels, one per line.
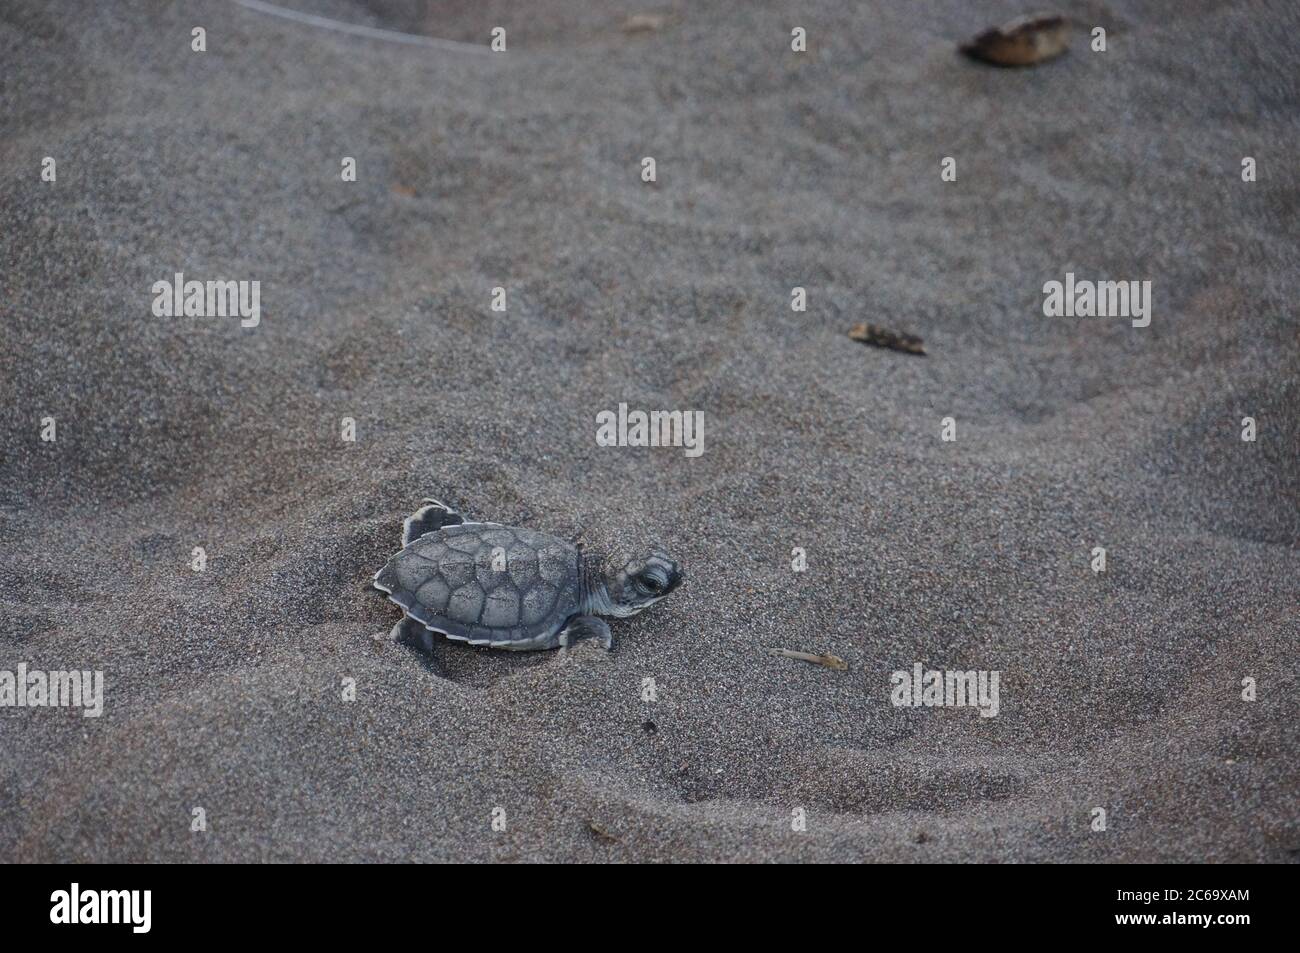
[{"x": 1119, "y": 690}]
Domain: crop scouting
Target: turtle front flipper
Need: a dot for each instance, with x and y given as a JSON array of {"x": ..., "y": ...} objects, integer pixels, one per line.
[
  {"x": 586, "y": 627},
  {"x": 426, "y": 519}
]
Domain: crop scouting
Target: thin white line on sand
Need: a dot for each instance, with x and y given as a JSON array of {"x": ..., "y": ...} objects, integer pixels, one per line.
[{"x": 356, "y": 30}]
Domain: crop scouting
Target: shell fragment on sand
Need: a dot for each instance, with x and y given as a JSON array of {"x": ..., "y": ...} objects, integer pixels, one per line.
[
  {"x": 1022, "y": 42},
  {"x": 883, "y": 337},
  {"x": 827, "y": 660}
]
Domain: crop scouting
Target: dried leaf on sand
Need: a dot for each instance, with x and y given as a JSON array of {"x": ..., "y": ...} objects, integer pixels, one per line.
[
  {"x": 883, "y": 337},
  {"x": 1023, "y": 42}
]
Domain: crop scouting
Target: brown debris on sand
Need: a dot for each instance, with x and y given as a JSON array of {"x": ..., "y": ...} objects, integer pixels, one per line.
[
  {"x": 827, "y": 660},
  {"x": 1022, "y": 42},
  {"x": 643, "y": 23},
  {"x": 883, "y": 337},
  {"x": 600, "y": 833}
]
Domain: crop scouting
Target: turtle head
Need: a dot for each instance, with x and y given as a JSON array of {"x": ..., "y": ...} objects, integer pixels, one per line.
[{"x": 640, "y": 582}]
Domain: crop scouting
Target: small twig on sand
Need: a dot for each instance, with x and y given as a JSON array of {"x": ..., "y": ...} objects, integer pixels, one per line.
[{"x": 828, "y": 660}]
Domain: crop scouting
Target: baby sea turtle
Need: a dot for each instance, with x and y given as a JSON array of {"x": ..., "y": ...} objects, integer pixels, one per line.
[{"x": 510, "y": 588}]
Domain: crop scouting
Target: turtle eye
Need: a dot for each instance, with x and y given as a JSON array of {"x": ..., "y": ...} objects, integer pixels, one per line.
[{"x": 653, "y": 584}]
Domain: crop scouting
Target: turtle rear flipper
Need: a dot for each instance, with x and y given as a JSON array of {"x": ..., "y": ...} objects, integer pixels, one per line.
[
  {"x": 426, "y": 519},
  {"x": 410, "y": 632}
]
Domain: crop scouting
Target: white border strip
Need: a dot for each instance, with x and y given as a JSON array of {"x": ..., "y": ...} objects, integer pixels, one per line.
[{"x": 356, "y": 30}]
